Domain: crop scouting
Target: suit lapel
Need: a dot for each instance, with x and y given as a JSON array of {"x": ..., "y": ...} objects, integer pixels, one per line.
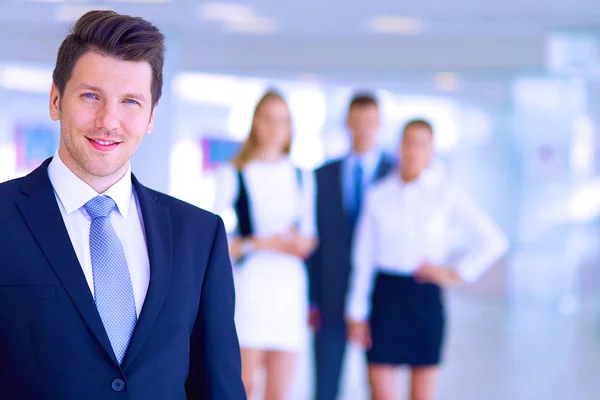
[
  {"x": 41, "y": 213},
  {"x": 337, "y": 180},
  {"x": 337, "y": 185},
  {"x": 383, "y": 168},
  {"x": 159, "y": 239}
]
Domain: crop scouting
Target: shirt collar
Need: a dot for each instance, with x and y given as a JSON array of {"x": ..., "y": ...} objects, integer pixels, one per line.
[
  {"x": 74, "y": 193},
  {"x": 431, "y": 176},
  {"x": 368, "y": 160}
]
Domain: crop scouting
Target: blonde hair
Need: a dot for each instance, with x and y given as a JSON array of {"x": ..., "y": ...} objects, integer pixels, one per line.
[{"x": 250, "y": 146}]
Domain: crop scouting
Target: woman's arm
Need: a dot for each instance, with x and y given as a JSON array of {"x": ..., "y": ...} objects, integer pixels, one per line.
[
  {"x": 239, "y": 247},
  {"x": 487, "y": 243},
  {"x": 362, "y": 276},
  {"x": 304, "y": 239}
]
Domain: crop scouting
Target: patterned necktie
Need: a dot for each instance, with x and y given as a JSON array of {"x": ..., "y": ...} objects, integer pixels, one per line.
[{"x": 113, "y": 291}]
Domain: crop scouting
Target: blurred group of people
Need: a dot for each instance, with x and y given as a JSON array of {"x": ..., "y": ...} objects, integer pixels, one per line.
[{"x": 360, "y": 249}]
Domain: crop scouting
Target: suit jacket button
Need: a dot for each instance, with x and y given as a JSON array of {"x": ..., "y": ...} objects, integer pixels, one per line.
[{"x": 118, "y": 385}]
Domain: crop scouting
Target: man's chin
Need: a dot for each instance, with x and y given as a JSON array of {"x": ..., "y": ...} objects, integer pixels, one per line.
[{"x": 103, "y": 171}]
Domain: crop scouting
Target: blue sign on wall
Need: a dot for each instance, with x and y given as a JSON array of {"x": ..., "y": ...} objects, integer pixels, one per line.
[
  {"x": 216, "y": 151},
  {"x": 34, "y": 143}
]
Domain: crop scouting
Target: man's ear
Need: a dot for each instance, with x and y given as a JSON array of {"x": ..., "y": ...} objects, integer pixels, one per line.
[
  {"x": 150, "y": 127},
  {"x": 54, "y": 106}
]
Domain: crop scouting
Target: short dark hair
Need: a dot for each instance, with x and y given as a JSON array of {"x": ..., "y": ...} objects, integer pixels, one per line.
[
  {"x": 418, "y": 122},
  {"x": 362, "y": 99},
  {"x": 112, "y": 35}
]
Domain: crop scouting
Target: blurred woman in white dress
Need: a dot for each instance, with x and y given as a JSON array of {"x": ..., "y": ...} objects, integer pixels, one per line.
[
  {"x": 409, "y": 229},
  {"x": 275, "y": 232}
]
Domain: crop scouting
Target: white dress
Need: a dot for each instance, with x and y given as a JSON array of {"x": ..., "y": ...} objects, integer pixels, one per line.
[{"x": 271, "y": 287}]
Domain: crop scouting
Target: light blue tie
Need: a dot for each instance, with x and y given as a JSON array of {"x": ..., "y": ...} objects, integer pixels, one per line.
[{"x": 113, "y": 291}]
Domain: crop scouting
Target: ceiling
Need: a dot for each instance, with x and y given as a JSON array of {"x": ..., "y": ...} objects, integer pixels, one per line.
[
  {"x": 344, "y": 40},
  {"x": 315, "y": 17}
]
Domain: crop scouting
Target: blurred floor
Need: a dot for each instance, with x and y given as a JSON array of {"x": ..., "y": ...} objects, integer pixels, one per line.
[{"x": 498, "y": 353}]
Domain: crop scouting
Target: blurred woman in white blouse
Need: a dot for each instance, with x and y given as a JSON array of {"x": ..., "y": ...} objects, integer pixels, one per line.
[
  {"x": 275, "y": 231},
  {"x": 406, "y": 235}
]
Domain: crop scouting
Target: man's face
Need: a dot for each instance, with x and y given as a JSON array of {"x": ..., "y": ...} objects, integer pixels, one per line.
[
  {"x": 363, "y": 123},
  {"x": 104, "y": 112}
]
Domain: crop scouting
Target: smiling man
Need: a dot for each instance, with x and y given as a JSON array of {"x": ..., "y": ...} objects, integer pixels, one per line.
[{"x": 108, "y": 289}]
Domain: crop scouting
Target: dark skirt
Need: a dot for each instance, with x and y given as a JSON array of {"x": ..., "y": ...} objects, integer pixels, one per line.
[{"x": 407, "y": 322}]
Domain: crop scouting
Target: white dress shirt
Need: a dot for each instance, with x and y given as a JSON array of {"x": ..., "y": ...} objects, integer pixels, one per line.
[
  {"x": 406, "y": 224},
  {"x": 72, "y": 193}
]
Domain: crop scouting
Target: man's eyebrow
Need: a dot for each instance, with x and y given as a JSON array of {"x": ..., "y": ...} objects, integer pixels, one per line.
[
  {"x": 136, "y": 96},
  {"x": 85, "y": 86}
]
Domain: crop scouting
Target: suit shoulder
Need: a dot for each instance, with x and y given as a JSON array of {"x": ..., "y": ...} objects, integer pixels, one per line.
[
  {"x": 10, "y": 189},
  {"x": 389, "y": 160},
  {"x": 329, "y": 166}
]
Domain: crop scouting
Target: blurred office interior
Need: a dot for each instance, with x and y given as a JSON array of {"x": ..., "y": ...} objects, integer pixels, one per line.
[{"x": 513, "y": 91}]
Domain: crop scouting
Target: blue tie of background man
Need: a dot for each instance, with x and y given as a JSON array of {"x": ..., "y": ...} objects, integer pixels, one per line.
[{"x": 357, "y": 192}]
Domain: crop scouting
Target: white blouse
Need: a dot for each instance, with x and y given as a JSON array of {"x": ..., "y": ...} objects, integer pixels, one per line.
[{"x": 405, "y": 224}]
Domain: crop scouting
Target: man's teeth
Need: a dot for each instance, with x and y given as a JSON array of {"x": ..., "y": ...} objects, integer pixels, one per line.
[{"x": 100, "y": 142}]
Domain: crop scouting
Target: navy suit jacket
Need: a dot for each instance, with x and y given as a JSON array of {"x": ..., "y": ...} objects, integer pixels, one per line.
[
  {"x": 329, "y": 266},
  {"x": 52, "y": 341}
]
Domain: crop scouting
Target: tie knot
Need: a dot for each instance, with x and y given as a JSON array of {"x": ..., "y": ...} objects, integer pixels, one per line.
[{"x": 99, "y": 206}]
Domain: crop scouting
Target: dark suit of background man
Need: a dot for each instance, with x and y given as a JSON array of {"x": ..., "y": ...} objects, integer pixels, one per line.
[
  {"x": 108, "y": 289},
  {"x": 340, "y": 188}
]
